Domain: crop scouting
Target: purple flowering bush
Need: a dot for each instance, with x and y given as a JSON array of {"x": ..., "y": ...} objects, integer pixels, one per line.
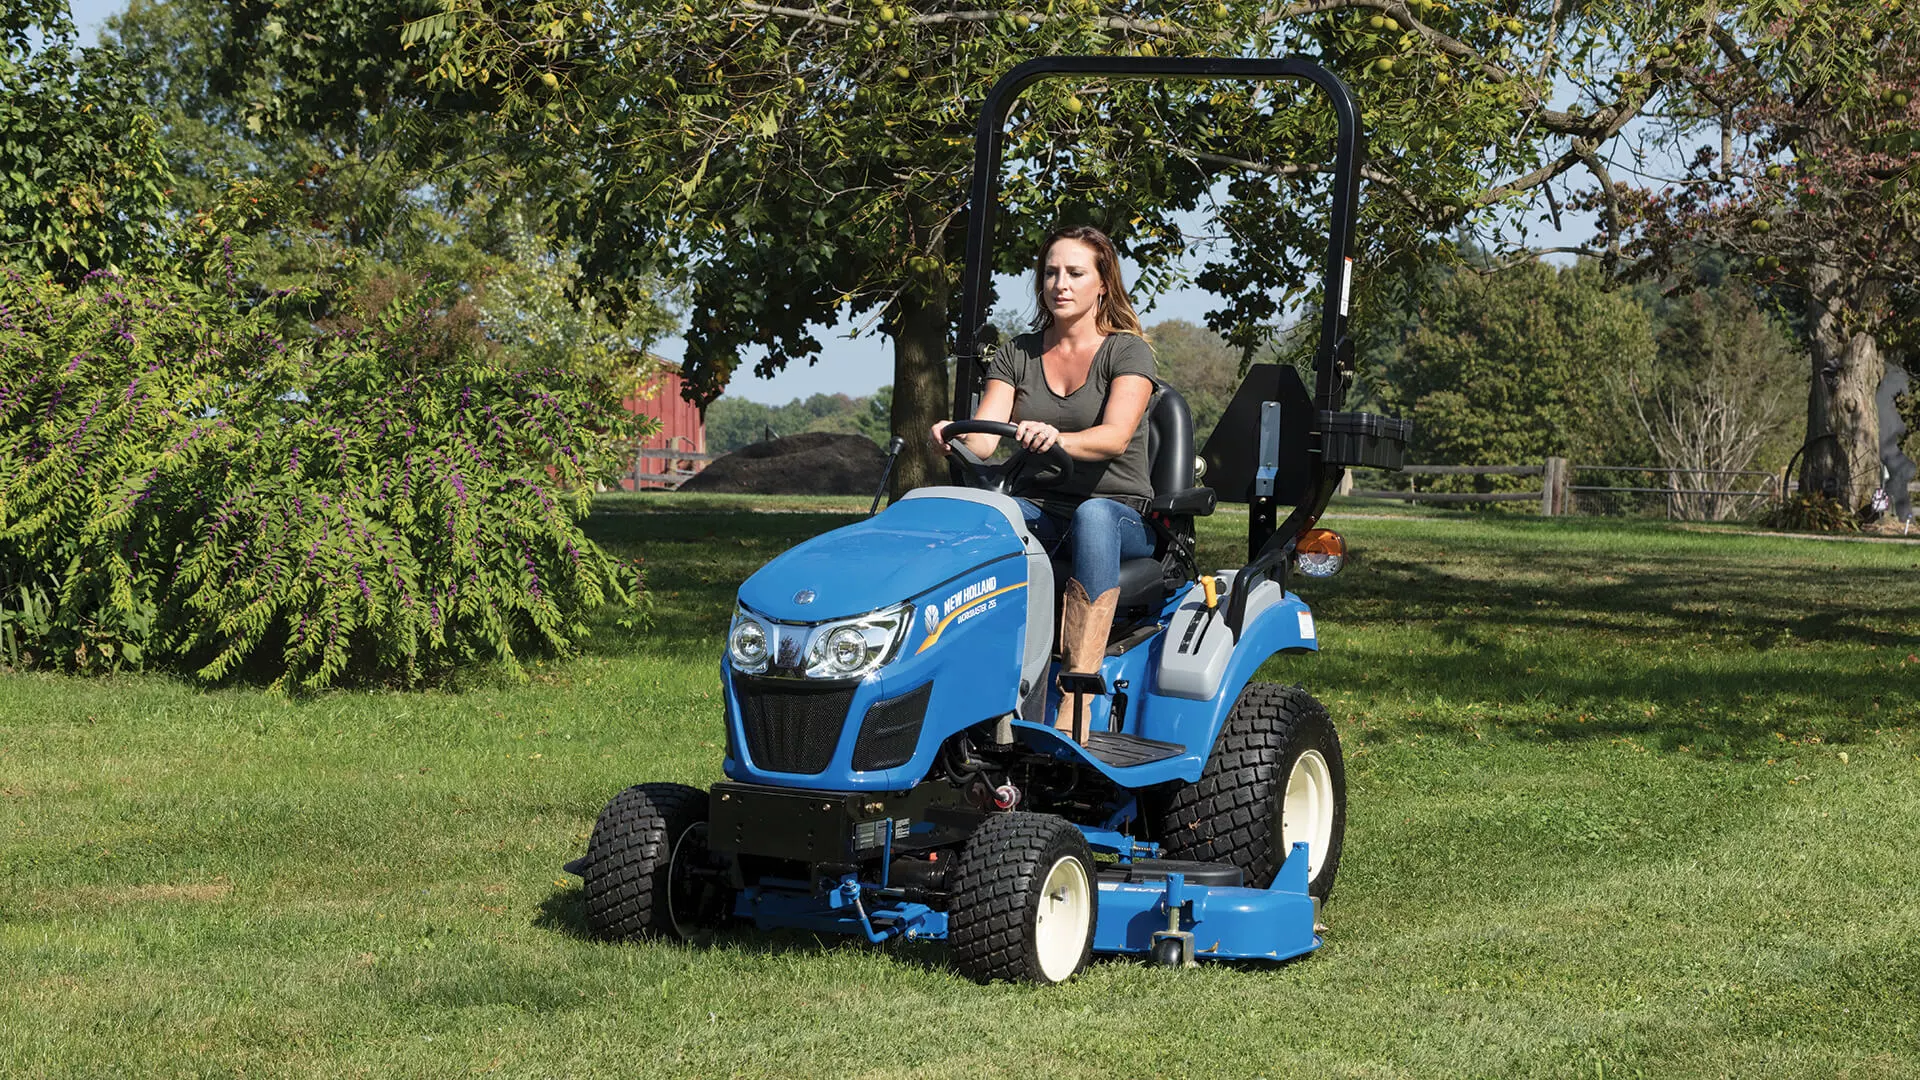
[{"x": 182, "y": 487}]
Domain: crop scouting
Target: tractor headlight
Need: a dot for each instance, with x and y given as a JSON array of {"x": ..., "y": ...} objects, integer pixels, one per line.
[
  {"x": 841, "y": 649},
  {"x": 850, "y": 648},
  {"x": 749, "y": 643}
]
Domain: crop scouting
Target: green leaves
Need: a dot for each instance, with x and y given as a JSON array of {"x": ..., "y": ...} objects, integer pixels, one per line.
[
  {"x": 181, "y": 486},
  {"x": 1508, "y": 368},
  {"x": 415, "y": 31},
  {"x": 83, "y": 180}
]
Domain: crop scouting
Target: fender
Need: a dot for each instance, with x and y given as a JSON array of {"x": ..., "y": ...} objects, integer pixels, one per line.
[{"x": 1281, "y": 624}]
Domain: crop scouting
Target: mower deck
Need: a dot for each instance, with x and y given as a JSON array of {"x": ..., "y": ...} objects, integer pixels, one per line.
[{"x": 1140, "y": 907}]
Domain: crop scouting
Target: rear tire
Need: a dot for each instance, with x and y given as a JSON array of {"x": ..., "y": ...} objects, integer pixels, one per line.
[
  {"x": 639, "y": 876},
  {"x": 1275, "y": 776},
  {"x": 1024, "y": 901}
]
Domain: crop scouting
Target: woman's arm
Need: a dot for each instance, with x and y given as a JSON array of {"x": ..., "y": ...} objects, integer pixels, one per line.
[{"x": 995, "y": 404}]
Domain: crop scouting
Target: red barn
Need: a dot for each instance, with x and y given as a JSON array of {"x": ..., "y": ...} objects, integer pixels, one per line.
[{"x": 682, "y": 429}]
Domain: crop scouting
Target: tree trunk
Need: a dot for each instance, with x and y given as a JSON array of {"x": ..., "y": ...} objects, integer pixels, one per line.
[
  {"x": 921, "y": 397},
  {"x": 1842, "y": 457}
]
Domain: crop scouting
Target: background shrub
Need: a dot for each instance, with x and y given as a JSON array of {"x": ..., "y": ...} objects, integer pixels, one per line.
[{"x": 180, "y": 486}]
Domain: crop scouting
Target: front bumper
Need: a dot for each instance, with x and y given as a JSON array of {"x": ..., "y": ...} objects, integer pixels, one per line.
[{"x": 836, "y": 828}]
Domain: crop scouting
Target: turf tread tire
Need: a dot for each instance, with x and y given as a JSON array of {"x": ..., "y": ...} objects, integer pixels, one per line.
[
  {"x": 624, "y": 881},
  {"x": 1232, "y": 813},
  {"x": 994, "y": 887}
]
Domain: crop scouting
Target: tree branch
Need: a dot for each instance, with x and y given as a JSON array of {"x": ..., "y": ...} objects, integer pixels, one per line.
[
  {"x": 1599, "y": 170},
  {"x": 802, "y": 14},
  {"x": 1530, "y": 254},
  {"x": 1293, "y": 169}
]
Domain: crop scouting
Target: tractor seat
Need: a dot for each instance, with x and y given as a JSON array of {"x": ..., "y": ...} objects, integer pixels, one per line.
[{"x": 1145, "y": 584}]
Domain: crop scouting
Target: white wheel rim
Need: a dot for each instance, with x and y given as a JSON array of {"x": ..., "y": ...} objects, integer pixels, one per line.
[
  {"x": 1308, "y": 813},
  {"x": 674, "y": 870},
  {"x": 1063, "y": 920}
]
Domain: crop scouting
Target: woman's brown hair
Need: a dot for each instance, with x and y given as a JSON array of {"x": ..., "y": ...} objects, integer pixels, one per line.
[{"x": 1115, "y": 314}]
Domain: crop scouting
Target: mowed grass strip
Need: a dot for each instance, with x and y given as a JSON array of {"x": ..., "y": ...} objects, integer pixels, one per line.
[{"x": 1624, "y": 800}]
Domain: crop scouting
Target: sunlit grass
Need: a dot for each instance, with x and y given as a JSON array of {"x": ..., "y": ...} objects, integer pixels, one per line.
[{"x": 1625, "y": 800}]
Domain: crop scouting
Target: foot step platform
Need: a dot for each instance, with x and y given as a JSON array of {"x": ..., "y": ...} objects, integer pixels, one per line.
[
  {"x": 1156, "y": 870},
  {"x": 1123, "y": 751}
]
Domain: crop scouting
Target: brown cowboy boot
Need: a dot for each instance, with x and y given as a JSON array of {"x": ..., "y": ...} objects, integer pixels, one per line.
[{"x": 1084, "y": 625}]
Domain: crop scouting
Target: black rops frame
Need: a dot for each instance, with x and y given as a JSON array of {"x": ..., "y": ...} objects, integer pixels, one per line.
[{"x": 1268, "y": 547}]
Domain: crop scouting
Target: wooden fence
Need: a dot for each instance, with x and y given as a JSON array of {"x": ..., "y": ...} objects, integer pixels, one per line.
[
  {"x": 679, "y": 464},
  {"x": 1552, "y": 496},
  {"x": 1558, "y": 494}
]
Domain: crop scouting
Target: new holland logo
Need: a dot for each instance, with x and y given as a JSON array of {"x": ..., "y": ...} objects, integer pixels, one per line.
[
  {"x": 971, "y": 593},
  {"x": 976, "y": 599}
]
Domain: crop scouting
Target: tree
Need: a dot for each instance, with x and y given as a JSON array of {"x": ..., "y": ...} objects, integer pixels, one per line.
[
  {"x": 1511, "y": 367},
  {"x": 330, "y": 206},
  {"x": 1201, "y": 365},
  {"x": 733, "y": 422},
  {"x": 800, "y": 161},
  {"x": 83, "y": 181},
  {"x": 338, "y": 209},
  {"x": 1717, "y": 397},
  {"x": 183, "y": 487},
  {"x": 1809, "y": 182},
  {"x": 524, "y": 301}
]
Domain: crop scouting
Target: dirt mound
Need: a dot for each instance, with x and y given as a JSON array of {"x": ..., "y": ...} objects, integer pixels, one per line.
[{"x": 811, "y": 463}]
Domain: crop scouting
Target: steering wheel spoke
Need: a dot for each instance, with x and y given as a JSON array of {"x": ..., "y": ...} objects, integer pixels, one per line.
[{"x": 1048, "y": 468}]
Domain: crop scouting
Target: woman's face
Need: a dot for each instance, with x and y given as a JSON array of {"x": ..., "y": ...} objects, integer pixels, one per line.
[{"x": 1070, "y": 280}]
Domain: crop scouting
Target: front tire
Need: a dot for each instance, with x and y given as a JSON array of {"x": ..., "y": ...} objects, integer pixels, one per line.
[
  {"x": 1024, "y": 901},
  {"x": 643, "y": 874},
  {"x": 1275, "y": 777}
]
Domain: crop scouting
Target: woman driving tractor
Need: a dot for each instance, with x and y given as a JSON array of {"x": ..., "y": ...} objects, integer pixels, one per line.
[{"x": 1081, "y": 381}]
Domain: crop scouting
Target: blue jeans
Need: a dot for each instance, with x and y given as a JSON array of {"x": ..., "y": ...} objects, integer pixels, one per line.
[{"x": 1102, "y": 533}]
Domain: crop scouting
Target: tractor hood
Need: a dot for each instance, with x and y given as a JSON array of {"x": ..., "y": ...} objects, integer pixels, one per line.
[{"x": 923, "y": 541}]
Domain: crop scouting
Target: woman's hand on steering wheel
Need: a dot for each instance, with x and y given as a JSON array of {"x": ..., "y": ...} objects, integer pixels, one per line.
[
  {"x": 1036, "y": 437},
  {"x": 1049, "y": 466}
]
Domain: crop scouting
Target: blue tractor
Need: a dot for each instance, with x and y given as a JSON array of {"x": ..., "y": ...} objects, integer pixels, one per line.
[{"x": 893, "y": 768}]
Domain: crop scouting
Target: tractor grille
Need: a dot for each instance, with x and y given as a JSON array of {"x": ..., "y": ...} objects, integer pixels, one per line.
[
  {"x": 791, "y": 726},
  {"x": 891, "y": 731}
]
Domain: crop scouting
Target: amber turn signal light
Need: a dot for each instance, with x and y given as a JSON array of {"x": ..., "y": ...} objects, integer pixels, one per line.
[{"x": 1320, "y": 553}]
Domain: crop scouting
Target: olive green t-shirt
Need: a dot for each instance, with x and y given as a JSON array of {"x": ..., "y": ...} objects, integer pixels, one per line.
[{"x": 1018, "y": 364}]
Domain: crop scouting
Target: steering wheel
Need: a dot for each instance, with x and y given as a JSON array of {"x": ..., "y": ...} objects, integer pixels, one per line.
[{"x": 1049, "y": 468}]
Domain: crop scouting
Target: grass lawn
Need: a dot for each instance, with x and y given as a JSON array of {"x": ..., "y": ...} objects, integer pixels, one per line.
[{"x": 1625, "y": 800}]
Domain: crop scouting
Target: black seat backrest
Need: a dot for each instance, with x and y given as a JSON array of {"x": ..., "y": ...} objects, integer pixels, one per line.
[{"x": 1169, "y": 441}]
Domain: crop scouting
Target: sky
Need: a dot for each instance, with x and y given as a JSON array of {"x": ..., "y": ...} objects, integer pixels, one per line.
[
  {"x": 89, "y": 14},
  {"x": 846, "y": 365}
]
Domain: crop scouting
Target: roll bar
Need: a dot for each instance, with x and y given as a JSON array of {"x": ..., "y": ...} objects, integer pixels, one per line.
[
  {"x": 1268, "y": 547},
  {"x": 989, "y": 147}
]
